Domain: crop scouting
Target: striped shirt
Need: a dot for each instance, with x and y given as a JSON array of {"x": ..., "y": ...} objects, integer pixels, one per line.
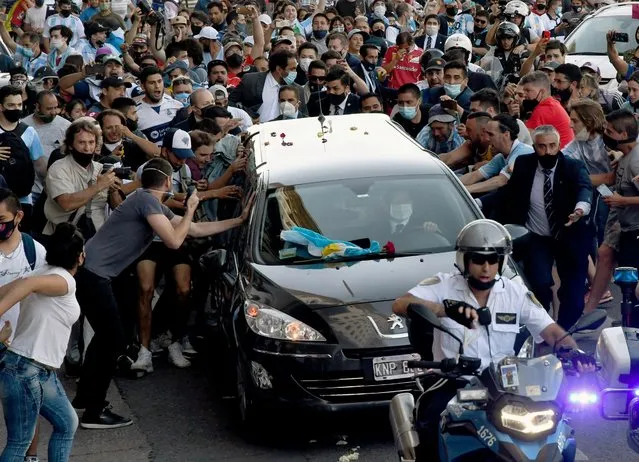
[
  {"x": 155, "y": 119},
  {"x": 30, "y": 64},
  {"x": 72, "y": 22},
  {"x": 88, "y": 51}
]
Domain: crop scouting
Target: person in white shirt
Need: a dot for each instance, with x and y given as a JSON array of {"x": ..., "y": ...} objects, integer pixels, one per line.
[
  {"x": 157, "y": 110},
  {"x": 35, "y": 17},
  {"x": 28, "y": 380}
]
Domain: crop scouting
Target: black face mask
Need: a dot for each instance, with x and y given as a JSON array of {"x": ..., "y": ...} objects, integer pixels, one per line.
[
  {"x": 39, "y": 3},
  {"x": 6, "y": 229},
  {"x": 132, "y": 124},
  {"x": 81, "y": 158},
  {"x": 379, "y": 33},
  {"x": 612, "y": 143},
  {"x": 478, "y": 30},
  {"x": 577, "y": 9},
  {"x": 541, "y": 7},
  {"x": 528, "y": 105},
  {"x": 480, "y": 285},
  {"x": 336, "y": 100},
  {"x": 65, "y": 13},
  {"x": 46, "y": 118},
  {"x": 99, "y": 44},
  {"x": 235, "y": 60},
  {"x": 368, "y": 66},
  {"x": 547, "y": 161},
  {"x": 564, "y": 95},
  {"x": 451, "y": 11},
  {"x": 196, "y": 30},
  {"x": 12, "y": 115},
  {"x": 320, "y": 34}
]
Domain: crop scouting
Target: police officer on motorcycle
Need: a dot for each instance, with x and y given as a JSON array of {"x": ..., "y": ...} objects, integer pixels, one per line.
[{"x": 483, "y": 247}]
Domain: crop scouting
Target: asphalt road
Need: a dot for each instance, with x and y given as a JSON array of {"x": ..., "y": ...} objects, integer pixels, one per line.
[{"x": 184, "y": 415}]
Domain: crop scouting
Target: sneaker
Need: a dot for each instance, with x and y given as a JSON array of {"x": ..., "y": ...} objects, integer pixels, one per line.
[
  {"x": 31, "y": 459},
  {"x": 176, "y": 357},
  {"x": 144, "y": 361},
  {"x": 155, "y": 348},
  {"x": 187, "y": 348},
  {"x": 106, "y": 419},
  {"x": 164, "y": 339}
]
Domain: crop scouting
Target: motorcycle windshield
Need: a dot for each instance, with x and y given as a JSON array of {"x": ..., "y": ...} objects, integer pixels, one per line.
[
  {"x": 492, "y": 66},
  {"x": 538, "y": 379}
]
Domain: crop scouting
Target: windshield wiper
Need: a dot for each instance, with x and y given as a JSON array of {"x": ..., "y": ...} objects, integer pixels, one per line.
[{"x": 347, "y": 258}]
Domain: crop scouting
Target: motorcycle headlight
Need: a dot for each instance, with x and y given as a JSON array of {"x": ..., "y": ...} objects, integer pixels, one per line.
[
  {"x": 271, "y": 323},
  {"x": 532, "y": 423}
]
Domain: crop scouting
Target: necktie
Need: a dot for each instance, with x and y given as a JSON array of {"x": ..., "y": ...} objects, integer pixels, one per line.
[
  {"x": 338, "y": 110},
  {"x": 428, "y": 43},
  {"x": 548, "y": 204}
]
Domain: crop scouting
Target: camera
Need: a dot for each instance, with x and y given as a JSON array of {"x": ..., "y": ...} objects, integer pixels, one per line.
[
  {"x": 152, "y": 16},
  {"x": 123, "y": 173}
]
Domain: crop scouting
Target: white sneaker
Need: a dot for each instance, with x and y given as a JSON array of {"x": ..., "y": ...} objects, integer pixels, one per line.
[
  {"x": 187, "y": 348},
  {"x": 176, "y": 357},
  {"x": 144, "y": 361}
]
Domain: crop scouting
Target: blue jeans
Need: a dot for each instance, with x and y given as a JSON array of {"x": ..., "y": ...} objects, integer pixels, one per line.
[{"x": 26, "y": 390}]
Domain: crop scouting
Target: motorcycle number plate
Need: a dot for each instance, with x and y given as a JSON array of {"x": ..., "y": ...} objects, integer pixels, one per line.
[{"x": 394, "y": 367}]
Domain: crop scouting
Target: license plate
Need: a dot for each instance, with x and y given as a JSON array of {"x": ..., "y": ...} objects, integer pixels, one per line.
[{"x": 395, "y": 367}]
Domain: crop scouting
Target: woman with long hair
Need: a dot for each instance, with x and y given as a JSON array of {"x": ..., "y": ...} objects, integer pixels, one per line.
[{"x": 29, "y": 385}]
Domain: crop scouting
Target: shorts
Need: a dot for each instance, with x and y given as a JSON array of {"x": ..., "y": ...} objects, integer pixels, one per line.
[
  {"x": 612, "y": 235},
  {"x": 159, "y": 253}
]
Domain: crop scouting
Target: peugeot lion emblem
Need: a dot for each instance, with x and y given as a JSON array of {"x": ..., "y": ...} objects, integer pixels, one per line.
[{"x": 396, "y": 322}]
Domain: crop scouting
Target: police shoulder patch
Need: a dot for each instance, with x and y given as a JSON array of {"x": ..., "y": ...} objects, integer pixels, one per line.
[
  {"x": 533, "y": 299},
  {"x": 430, "y": 281}
]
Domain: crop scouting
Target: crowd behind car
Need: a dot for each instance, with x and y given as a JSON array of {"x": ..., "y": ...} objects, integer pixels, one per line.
[{"x": 112, "y": 117}]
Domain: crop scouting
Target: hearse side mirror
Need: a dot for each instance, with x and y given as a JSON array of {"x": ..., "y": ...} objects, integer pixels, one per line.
[
  {"x": 213, "y": 260},
  {"x": 419, "y": 318}
]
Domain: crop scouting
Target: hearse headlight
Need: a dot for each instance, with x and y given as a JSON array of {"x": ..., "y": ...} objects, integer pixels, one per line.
[{"x": 271, "y": 323}]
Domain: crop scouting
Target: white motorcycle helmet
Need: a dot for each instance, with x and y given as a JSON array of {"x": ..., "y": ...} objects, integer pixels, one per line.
[
  {"x": 486, "y": 237},
  {"x": 458, "y": 41},
  {"x": 516, "y": 7}
]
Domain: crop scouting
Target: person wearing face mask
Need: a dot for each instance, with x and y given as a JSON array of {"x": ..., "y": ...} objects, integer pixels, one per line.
[
  {"x": 565, "y": 85},
  {"x": 455, "y": 86},
  {"x": 65, "y": 18},
  {"x": 411, "y": 114},
  {"x": 35, "y": 17},
  {"x": 338, "y": 100},
  {"x": 550, "y": 194},
  {"x": 447, "y": 19},
  {"x": 319, "y": 32},
  {"x": 307, "y": 53},
  {"x": 27, "y": 54},
  {"x": 289, "y": 103},
  {"x": 368, "y": 71},
  {"x": 378, "y": 37},
  {"x": 540, "y": 108},
  {"x": 571, "y": 19},
  {"x": 316, "y": 74},
  {"x": 258, "y": 92},
  {"x": 551, "y": 20},
  {"x": 478, "y": 36},
  {"x": 404, "y": 23},
  {"x": 111, "y": 88},
  {"x": 96, "y": 35},
  {"x": 440, "y": 135},
  {"x": 181, "y": 89},
  {"x": 59, "y": 49},
  {"x": 431, "y": 38},
  {"x": 400, "y": 212},
  {"x": 377, "y": 10}
]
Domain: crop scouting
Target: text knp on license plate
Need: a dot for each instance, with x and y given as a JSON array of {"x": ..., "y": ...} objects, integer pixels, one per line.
[{"x": 395, "y": 367}]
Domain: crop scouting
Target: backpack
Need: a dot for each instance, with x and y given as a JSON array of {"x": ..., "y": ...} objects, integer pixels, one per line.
[
  {"x": 18, "y": 171},
  {"x": 29, "y": 249}
]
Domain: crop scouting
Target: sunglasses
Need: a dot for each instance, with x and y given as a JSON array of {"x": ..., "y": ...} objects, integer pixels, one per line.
[
  {"x": 478, "y": 21},
  {"x": 481, "y": 259}
]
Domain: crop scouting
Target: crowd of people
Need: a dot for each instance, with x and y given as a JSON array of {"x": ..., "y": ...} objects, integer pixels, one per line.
[{"x": 121, "y": 134}]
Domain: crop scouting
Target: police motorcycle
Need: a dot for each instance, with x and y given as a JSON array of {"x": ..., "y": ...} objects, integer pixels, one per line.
[
  {"x": 512, "y": 411},
  {"x": 504, "y": 66},
  {"x": 618, "y": 352}
]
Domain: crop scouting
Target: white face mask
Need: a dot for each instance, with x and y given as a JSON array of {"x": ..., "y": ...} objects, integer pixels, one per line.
[
  {"x": 186, "y": 61},
  {"x": 583, "y": 135},
  {"x": 304, "y": 63},
  {"x": 56, "y": 43},
  {"x": 287, "y": 110},
  {"x": 401, "y": 212},
  {"x": 432, "y": 30},
  {"x": 379, "y": 11}
]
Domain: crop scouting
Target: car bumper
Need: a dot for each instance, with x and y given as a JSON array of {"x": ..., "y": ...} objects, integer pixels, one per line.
[{"x": 320, "y": 378}]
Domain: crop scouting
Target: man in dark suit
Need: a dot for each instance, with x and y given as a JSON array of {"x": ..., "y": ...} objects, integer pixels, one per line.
[
  {"x": 258, "y": 92},
  {"x": 431, "y": 38},
  {"x": 336, "y": 100},
  {"x": 550, "y": 194},
  {"x": 289, "y": 103}
]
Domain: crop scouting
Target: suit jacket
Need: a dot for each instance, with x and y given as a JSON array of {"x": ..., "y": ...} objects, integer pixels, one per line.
[
  {"x": 439, "y": 42},
  {"x": 352, "y": 104},
  {"x": 248, "y": 94},
  {"x": 571, "y": 184}
]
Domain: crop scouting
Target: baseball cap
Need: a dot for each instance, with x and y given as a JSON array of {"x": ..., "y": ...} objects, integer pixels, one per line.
[
  {"x": 358, "y": 31},
  {"x": 93, "y": 27},
  {"x": 228, "y": 46},
  {"x": 207, "y": 32},
  {"x": 592, "y": 66},
  {"x": 468, "y": 5},
  {"x": 250, "y": 40},
  {"x": 549, "y": 66},
  {"x": 215, "y": 89},
  {"x": 282, "y": 39},
  {"x": 115, "y": 58},
  {"x": 179, "y": 142},
  {"x": 140, "y": 39},
  {"x": 176, "y": 65},
  {"x": 438, "y": 114},
  {"x": 115, "y": 82},
  {"x": 435, "y": 64},
  {"x": 265, "y": 19},
  {"x": 179, "y": 20},
  {"x": 44, "y": 72}
]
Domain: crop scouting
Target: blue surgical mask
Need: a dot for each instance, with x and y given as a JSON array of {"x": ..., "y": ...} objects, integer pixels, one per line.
[
  {"x": 559, "y": 10},
  {"x": 290, "y": 78},
  {"x": 452, "y": 90},
  {"x": 408, "y": 112},
  {"x": 182, "y": 98},
  {"x": 26, "y": 52}
]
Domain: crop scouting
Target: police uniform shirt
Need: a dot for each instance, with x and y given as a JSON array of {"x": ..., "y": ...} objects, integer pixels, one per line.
[{"x": 510, "y": 304}]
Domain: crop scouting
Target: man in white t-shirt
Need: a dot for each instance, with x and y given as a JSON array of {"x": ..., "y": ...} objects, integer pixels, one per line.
[{"x": 19, "y": 254}]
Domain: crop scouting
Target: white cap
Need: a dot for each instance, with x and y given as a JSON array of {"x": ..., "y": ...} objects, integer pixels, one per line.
[
  {"x": 215, "y": 88},
  {"x": 249, "y": 40},
  {"x": 207, "y": 32},
  {"x": 265, "y": 19}
]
